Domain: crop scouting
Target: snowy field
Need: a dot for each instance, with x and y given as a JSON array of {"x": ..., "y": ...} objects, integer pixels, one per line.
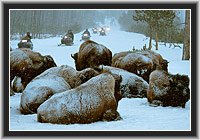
[{"x": 136, "y": 113}]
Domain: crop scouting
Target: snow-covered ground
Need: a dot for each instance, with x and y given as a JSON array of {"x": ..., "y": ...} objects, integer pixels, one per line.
[{"x": 136, "y": 113}]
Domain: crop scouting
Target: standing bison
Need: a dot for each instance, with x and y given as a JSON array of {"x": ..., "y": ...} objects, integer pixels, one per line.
[
  {"x": 92, "y": 54},
  {"x": 90, "y": 102},
  {"x": 50, "y": 82},
  {"x": 168, "y": 90},
  {"x": 141, "y": 62},
  {"x": 27, "y": 64}
]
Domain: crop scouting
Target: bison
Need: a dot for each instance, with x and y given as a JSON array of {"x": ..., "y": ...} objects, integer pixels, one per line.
[
  {"x": 168, "y": 90},
  {"x": 27, "y": 64},
  {"x": 17, "y": 85},
  {"x": 90, "y": 102},
  {"x": 50, "y": 82},
  {"x": 92, "y": 54},
  {"x": 132, "y": 86},
  {"x": 141, "y": 62}
]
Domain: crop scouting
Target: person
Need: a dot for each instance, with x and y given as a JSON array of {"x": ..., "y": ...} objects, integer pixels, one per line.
[
  {"x": 28, "y": 37},
  {"x": 87, "y": 32},
  {"x": 70, "y": 34},
  {"x": 102, "y": 32}
]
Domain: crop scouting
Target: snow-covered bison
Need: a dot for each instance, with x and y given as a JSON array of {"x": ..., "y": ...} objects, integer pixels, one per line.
[
  {"x": 17, "y": 85},
  {"x": 50, "y": 82},
  {"x": 141, "y": 62},
  {"x": 27, "y": 64},
  {"x": 92, "y": 54},
  {"x": 90, "y": 102},
  {"x": 132, "y": 86},
  {"x": 168, "y": 90}
]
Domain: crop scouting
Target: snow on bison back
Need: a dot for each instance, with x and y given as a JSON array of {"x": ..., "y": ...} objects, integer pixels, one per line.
[
  {"x": 132, "y": 86},
  {"x": 50, "y": 82},
  {"x": 168, "y": 90},
  {"x": 141, "y": 62},
  {"x": 92, "y": 54},
  {"x": 27, "y": 64},
  {"x": 90, "y": 102}
]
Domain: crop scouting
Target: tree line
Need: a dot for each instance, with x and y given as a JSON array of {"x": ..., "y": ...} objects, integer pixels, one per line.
[
  {"x": 50, "y": 21},
  {"x": 160, "y": 25}
]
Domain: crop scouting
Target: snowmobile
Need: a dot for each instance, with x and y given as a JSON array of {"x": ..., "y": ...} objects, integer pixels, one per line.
[
  {"x": 102, "y": 32},
  {"x": 67, "y": 40},
  {"x": 25, "y": 43},
  {"x": 94, "y": 30},
  {"x": 85, "y": 37}
]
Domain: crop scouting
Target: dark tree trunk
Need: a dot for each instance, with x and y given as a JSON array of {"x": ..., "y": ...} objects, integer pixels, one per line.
[
  {"x": 150, "y": 37},
  {"x": 156, "y": 40},
  {"x": 186, "y": 47}
]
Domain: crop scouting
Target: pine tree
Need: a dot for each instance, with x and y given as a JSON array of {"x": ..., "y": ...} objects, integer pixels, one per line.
[{"x": 155, "y": 19}]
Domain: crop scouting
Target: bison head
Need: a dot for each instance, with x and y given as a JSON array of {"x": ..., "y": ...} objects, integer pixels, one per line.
[
  {"x": 179, "y": 92},
  {"x": 118, "y": 80},
  {"x": 88, "y": 74},
  {"x": 49, "y": 62},
  {"x": 164, "y": 65},
  {"x": 75, "y": 57}
]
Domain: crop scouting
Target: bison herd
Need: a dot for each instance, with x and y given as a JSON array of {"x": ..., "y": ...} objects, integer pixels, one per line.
[{"x": 91, "y": 92}]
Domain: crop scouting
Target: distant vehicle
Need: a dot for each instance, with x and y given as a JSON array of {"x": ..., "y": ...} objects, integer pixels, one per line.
[
  {"x": 94, "y": 30},
  {"x": 107, "y": 28},
  {"x": 100, "y": 28},
  {"x": 25, "y": 43},
  {"x": 85, "y": 35},
  {"x": 67, "y": 40},
  {"x": 102, "y": 32}
]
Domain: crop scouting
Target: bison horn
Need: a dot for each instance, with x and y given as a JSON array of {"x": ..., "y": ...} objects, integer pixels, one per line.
[{"x": 72, "y": 55}]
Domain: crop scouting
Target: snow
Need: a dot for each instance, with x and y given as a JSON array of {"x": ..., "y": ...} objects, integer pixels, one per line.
[
  {"x": 82, "y": 101},
  {"x": 137, "y": 114}
]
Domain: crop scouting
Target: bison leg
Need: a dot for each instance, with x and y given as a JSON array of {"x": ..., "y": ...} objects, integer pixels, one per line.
[
  {"x": 12, "y": 75},
  {"x": 110, "y": 115}
]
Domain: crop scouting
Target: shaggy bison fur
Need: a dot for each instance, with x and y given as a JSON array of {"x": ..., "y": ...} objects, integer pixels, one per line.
[
  {"x": 92, "y": 54},
  {"x": 141, "y": 62},
  {"x": 50, "y": 82},
  {"x": 168, "y": 90},
  {"x": 90, "y": 102},
  {"x": 27, "y": 64},
  {"x": 17, "y": 85},
  {"x": 132, "y": 86}
]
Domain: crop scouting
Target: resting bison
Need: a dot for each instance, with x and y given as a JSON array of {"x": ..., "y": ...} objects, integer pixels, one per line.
[
  {"x": 90, "y": 102},
  {"x": 50, "y": 82},
  {"x": 141, "y": 62},
  {"x": 27, "y": 64},
  {"x": 168, "y": 90},
  {"x": 132, "y": 86},
  {"x": 92, "y": 54},
  {"x": 76, "y": 78}
]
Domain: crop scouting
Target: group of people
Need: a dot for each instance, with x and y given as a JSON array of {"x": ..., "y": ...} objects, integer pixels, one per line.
[{"x": 69, "y": 34}]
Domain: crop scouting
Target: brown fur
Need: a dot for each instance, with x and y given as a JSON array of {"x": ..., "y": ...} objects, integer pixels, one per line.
[
  {"x": 27, "y": 64},
  {"x": 90, "y": 102},
  {"x": 90, "y": 56},
  {"x": 136, "y": 63},
  {"x": 132, "y": 86},
  {"x": 168, "y": 90},
  {"x": 58, "y": 79}
]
